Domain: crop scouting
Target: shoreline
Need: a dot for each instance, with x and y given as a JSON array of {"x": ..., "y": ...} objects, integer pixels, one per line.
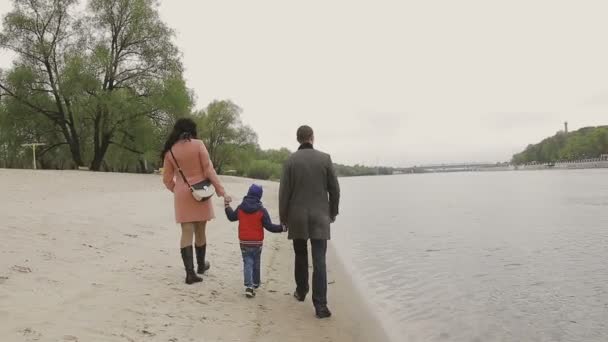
[
  {"x": 384, "y": 324},
  {"x": 352, "y": 297},
  {"x": 91, "y": 256}
]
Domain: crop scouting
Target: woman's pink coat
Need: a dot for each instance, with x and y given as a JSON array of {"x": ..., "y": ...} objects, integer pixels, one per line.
[{"x": 194, "y": 161}]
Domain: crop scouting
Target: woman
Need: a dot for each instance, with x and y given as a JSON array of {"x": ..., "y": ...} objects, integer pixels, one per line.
[{"x": 193, "y": 158}]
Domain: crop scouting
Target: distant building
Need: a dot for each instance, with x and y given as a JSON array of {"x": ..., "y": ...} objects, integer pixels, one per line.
[{"x": 566, "y": 127}]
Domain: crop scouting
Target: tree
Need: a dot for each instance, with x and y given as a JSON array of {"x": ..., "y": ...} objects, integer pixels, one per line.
[
  {"x": 98, "y": 78},
  {"x": 40, "y": 33},
  {"x": 139, "y": 73},
  {"x": 224, "y": 134}
]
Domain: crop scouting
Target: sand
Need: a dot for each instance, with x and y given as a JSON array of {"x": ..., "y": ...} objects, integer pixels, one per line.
[{"x": 95, "y": 257}]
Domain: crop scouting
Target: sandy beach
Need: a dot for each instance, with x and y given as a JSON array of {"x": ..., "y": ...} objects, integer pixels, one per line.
[{"x": 94, "y": 257}]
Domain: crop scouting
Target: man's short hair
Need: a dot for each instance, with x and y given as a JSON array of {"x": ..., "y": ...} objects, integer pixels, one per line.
[{"x": 305, "y": 134}]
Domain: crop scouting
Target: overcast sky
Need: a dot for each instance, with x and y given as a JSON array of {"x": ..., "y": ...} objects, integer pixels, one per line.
[{"x": 399, "y": 82}]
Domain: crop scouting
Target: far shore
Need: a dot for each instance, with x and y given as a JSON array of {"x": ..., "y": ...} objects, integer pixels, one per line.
[{"x": 92, "y": 256}]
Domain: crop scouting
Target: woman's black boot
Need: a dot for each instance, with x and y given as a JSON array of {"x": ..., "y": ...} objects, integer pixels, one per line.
[
  {"x": 203, "y": 265},
  {"x": 188, "y": 259}
]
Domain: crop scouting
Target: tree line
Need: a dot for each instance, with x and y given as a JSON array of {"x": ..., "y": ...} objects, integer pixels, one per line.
[
  {"x": 585, "y": 143},
  {"x": 101, "y": 88}
]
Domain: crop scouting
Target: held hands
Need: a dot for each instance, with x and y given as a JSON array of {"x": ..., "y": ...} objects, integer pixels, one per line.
[
  {"x": 227, "y": 200},
  {"x": 285, "y": 229}
]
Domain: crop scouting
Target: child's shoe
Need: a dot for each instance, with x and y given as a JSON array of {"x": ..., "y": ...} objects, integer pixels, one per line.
[{"x": 249, "y": 292}]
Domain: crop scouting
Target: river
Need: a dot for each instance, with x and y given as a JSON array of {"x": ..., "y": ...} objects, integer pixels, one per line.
[{"x": 489, "y": 256}]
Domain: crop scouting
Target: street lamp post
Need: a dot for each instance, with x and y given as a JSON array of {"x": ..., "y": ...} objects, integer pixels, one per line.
[{"x": 33, "y": 146}]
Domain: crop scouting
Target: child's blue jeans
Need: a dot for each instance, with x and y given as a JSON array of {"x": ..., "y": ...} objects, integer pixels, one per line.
[{"x": 251, "y": 265}]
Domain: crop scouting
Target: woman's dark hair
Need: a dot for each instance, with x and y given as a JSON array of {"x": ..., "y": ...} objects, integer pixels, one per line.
[{"x": 184, "y": 129}]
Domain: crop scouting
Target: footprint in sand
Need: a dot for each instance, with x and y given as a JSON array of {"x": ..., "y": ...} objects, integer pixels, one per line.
[
  {"x": 21, "y": 269},
  {"x": 47, "y": 280},
  {"x": 31, "y": 334},
  {"x": 147, "y": 333},
  {"x": 3, "y": 280},
  {"x": 47, "y": 255},
  {"x": 126, "y": 337},
  {"x": 70, "y": 338}
]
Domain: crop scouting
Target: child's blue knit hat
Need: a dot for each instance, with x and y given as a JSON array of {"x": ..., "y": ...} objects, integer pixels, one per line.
[{"x": 255, "y": 191}]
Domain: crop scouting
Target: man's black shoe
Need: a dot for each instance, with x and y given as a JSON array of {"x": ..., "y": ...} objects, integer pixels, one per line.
[
  {"x": 323, "y": 312},
  {"x": 299, "y": 297}
]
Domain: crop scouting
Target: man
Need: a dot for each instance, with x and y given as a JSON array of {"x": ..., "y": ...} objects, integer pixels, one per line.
[{"x": 309, "y": 196}]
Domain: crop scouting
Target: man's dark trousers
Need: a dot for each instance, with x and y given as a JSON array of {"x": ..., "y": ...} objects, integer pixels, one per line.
[{"x": 319, "y": 274}]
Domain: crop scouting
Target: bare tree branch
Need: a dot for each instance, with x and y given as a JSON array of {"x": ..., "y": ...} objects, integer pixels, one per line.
[
  {"x": 50, "y": 148},
  {"x": 126, "y": 147},
  {"x": 53, "y": 115}
]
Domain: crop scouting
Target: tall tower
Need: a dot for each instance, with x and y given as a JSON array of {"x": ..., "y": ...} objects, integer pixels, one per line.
[{"x": 566, "y": 127}]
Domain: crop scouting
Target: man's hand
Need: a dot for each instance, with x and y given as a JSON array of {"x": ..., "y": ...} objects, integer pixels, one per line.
[
  {"x": 285, "y": 229},
  {"x": 332, "y": 219}
]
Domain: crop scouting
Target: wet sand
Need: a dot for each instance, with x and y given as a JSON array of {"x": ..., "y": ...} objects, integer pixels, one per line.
[{"x": 94, "y": 257}]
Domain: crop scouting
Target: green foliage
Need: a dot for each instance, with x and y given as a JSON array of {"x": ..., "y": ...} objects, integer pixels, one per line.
[
  {"x": 589, "y": 142},
  {"x": 224, "y": 134},
  {"x": 108, "y": 80},
  {"x": 359, "y": 170},
  {"x": 276, "y": 156},
  {"x": 26, "y": 128},
  {"x": 264, "y": 169}
]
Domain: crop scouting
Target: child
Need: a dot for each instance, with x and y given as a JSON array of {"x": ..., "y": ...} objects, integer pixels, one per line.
[{"x": 252, "y": 217}]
